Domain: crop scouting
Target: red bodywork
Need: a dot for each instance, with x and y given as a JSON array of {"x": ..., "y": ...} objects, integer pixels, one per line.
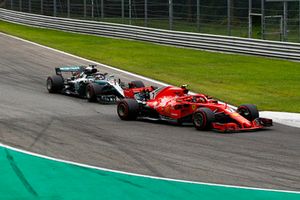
[
  {"x": 174, "y": 103},
  {"x": 130, "y": 92}
]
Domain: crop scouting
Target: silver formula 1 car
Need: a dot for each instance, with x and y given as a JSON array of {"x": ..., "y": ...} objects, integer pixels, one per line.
[{"x": 88, "y": 82}]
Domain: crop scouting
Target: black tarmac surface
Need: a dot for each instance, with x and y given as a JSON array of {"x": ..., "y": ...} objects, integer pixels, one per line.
[{"x": 73, "y": 129}]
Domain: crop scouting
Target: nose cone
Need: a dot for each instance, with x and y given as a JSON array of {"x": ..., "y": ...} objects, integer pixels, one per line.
[{"x": 241, "y": 120}]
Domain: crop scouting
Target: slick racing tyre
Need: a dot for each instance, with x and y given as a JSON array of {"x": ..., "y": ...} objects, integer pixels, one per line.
[
  {"x": 128, "y": 109},
  {"x": 248, "y": 111},
  {"x": 55, "y": 84},
  {"x": 92, "y": 91},
  {"x": 137, "y": 84},
  {"x": 203, "y": 118}
]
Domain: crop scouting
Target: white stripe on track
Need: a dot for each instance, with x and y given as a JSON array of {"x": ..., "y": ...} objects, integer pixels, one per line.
[{"x": 87, "y": 60}]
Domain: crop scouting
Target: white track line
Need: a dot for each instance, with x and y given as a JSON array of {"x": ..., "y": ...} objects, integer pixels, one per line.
[
  {"x": 116, "y": 171},
  {"x": 87, "y": 60},
  {"x": 140, "y": 175}
]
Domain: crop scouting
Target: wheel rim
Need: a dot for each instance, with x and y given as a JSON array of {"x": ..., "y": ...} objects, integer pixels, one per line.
[
  {"x": 245, "y": 112},
  {"x": 198, "y": 119},
  {"x": 49, "y": 84},
  {"x": 88, "y": 95},
  {"x": 122, "y": 110}
]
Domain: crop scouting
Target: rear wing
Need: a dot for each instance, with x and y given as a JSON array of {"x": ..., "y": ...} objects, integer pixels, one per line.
[{"x": 60, "y": 70}]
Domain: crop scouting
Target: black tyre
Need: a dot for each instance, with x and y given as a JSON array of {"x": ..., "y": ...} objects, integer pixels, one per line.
[
  {"x": 55, "y": 84},
  {"x": 92, "y": 91},
  {"x": 128, "y": 109},
  {"x": 203, "y": 118},
  {"x": 249, "y": 111},
  {"x": 137, "y": 84}
]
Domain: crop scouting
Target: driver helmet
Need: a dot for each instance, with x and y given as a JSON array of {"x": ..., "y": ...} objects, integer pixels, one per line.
[
  {"x": 99, "y": 76},
  {"x": 90, "y": 70}
]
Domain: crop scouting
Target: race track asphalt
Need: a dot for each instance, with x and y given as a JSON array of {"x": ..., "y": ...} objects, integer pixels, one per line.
[{"x": 73, "y": 129}]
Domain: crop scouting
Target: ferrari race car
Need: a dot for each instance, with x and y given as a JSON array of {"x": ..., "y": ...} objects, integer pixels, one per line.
[
  {"x": 174, "y": 104},
  {"x": 87, "y": 82}
]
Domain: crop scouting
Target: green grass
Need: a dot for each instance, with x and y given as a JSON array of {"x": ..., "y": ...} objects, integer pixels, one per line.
[{"x": 271, "y": 84}]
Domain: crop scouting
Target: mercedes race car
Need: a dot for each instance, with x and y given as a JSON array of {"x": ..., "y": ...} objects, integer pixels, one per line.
[
  {"x": 174, "y": 104},
  {"x": 87, "y": 82}
]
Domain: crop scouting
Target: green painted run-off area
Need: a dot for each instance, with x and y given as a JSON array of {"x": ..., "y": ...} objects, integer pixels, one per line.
[{"x": 25, "y": 176}]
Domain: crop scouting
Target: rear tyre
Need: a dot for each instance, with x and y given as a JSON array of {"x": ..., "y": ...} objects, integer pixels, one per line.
[
  {"x": 92, "y": 91},
  {"x": 248, "y": 111},
  {"x": 203, "y": 118},
  {"x": 128, "y": 109},
  {"x": 55, "y": 84},
  {"x": 137, "y": 84}
]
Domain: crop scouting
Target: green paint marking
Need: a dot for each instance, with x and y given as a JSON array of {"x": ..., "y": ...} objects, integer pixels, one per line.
[{"x": 57, "y": 180}]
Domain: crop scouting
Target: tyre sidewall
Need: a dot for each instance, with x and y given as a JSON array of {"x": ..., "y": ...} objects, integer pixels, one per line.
[
  {"x": 124, "y": 115},
  {"x": 207, "y": 118},
  {"x": 251, "y": 108},
  {"x": 203, "y": 117}
]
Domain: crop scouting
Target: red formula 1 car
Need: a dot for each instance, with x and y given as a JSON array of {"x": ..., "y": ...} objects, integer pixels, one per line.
[{"x": 174, "y": 104}]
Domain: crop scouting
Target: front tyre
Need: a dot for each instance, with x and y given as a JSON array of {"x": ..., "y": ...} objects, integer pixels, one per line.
[
  {"x": 248, "y": 111},
  {"x": 203, "y": 118},
  {"x": 128, "y": 109},
  {"x": 55, "y": 84}
]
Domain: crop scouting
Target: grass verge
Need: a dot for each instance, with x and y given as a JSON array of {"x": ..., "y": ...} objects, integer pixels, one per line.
[{"x": 270, "y": 84}]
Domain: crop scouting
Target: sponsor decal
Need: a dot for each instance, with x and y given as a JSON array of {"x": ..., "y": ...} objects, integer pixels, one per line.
[
  {"x": 235, "y": 114},
  {"x": 194, "y": 107}
]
